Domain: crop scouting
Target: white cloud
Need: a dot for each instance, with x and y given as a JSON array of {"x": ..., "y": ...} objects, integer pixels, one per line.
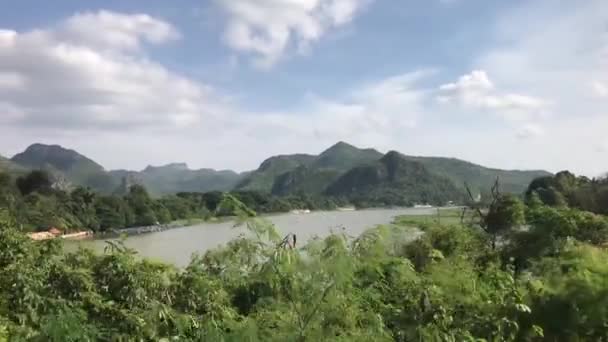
[
  {"x": 60, "y": 85},
  {"x": 100, "y": 92},
  {"x": 557, "y": 53},
  {"x": 367, "y": 115},
  {"x": 267, "y": 28},
  {"x": 599, "y": 89},
  {"x": 528, "y": 131},
  {"x": 115, "y": 30},
  {"x": 475, "y": 90},
  {"x": 88, "y": 72}
]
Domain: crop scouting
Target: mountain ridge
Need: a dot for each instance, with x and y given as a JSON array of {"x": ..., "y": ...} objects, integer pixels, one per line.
[
  {"x": 280, "y": 175},
  {"x": 395, "y": 180}
]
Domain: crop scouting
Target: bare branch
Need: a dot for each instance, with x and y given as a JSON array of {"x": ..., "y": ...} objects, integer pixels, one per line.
[{"x": 482, "y": 217}]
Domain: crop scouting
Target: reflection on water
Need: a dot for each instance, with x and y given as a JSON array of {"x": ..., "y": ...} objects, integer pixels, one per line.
[{"x": 177, "y": 245}]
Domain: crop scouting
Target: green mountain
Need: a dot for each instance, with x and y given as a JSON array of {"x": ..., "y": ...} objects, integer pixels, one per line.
[
  {"x": 323, "y": 170},
  {"x": 264, "y": 177},
  {"x": 304, "y": 179},
  {"x": 343, "y": 157},
  {"x": 75, "y": 169},
  {"x": 394, "y": 180},
  {"x": 479, "y": 178},
  {"x": 279, "y": 175},
  {"x": 289, "y": 174},
  {"x": 65, "y": 164},
  {"x": 177, "y": 177}
]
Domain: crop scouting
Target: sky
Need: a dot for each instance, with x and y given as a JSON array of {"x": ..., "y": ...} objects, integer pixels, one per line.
[{"x": 227, "y": 83}]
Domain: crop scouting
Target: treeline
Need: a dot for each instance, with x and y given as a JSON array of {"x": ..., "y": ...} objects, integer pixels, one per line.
[
  {"x": 566, "y": 189},
  {"x": 544, "y": 280},
  {"x": 37, "y": 205}
]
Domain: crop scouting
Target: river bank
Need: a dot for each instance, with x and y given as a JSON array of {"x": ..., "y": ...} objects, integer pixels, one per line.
[
  {"x": 176, "y": 246},
  {"x": 134, "y": 231}
]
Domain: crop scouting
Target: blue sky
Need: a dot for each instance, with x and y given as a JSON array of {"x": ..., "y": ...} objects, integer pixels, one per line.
[{"x": 225, "y": 84}]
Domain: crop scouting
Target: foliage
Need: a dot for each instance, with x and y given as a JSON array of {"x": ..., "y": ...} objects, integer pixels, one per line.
[
  {"x": 34, "y": 181},
  {"x": 505, "y": 213},
  {"x": 479, "y": 178},
  {"x": 566, "y": 189},
  {"x": 38, "y": 206},
  {"x": 448, "y": 285},
  {"x": 394, "y": 180},
  {"x": 296, "y": 173},
  {"x": 547, "y": 280}
]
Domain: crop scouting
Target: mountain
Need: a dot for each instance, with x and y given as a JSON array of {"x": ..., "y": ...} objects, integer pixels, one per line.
[
  {"x": 304, "y": 179},
  {"x": 333, "y": 171},
  {"x": 73, "y": 168},
  {"x": 479, "y": 178},
  {"x": 395, "y": 180},
  {"x": 343, "y": 157},
  {"x": 55, "y": 157},
  {"x": 323, "y": 170},
  {"x": 65, "y": 163},
  {"x": 177, "y": 177},
  {"x": 264, "y": 177},
  {"x": 298, "y": 173}
]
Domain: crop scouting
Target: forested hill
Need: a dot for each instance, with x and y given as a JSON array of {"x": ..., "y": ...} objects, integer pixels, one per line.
[
  {"x": 72, "y": 168},
  {"x": 177, "y": 177},
  {"x": 395, "y": 180},
  {"x": 479, "y": 178},
  {"x": 280, "y": 175},
  {"x": 263, "y": 178},
  {"x": 290, "y": 174},
  {"x": 65, "y": 165}
]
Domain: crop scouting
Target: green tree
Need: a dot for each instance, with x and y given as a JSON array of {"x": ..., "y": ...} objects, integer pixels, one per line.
[
  {"x": 140, "y": 202},
  {"x": 505, "y": 213},
  {"x": 36, "y": 180}
]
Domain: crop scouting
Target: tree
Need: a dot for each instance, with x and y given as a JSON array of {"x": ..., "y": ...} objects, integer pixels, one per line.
[
  {"x": 142, "y": 205},
  {"x": 82, "y": 205},
  {"x": 504, "y": 212},
  {"x": 112, "y": 212},
  {"x": 35, "y": 181}
]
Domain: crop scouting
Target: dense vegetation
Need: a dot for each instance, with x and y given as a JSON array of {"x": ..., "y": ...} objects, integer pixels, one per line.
[
  {"x": 263, "y": 178},
  {"x": 546, "y": 281},
  {"x": 566, "y": 189},
  {"x": 37, "y": 205},
  {"x": 177, "y": 177},
  {"x": 479, "y": 178},
  {"x": 282, "y": 175},
  {"x": 296, "y": 173},
  {"x": 70, "y": 168},
  {"x": 394, "y": 180}
]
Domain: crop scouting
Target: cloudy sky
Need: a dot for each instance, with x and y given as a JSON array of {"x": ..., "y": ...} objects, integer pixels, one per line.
[{"x": 227, "y": 83}]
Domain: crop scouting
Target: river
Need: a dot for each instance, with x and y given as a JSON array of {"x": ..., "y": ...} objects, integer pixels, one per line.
[{"x": 176, "y": 246}]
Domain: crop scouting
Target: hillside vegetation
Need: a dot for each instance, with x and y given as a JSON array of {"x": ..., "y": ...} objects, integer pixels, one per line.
[
  {"x": 284, "y": 175},
  {"x": 395, "y": 180},
  {"x": 479, "y": 178},
  {"x": 547, "y": 282}
]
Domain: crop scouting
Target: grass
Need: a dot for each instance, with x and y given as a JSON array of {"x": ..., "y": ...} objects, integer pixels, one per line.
[{"x": 442, "y": 216}]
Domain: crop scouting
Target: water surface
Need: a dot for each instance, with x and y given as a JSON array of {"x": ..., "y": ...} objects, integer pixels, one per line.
[{"x": 177, "y": 245}]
